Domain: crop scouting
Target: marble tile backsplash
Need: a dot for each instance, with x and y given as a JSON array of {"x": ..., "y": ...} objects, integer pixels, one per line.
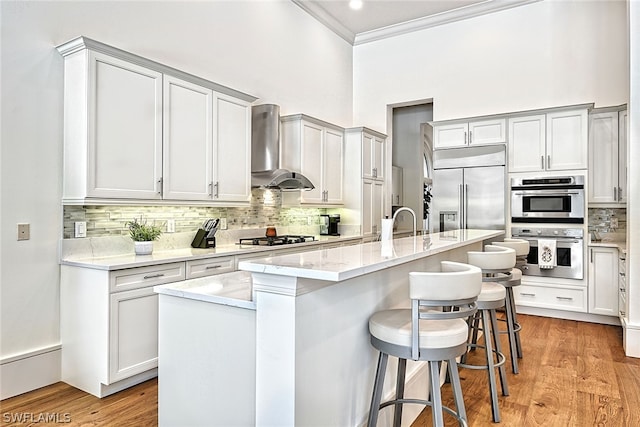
[
  {"x": 265, "y": 209},
  {"x": 608, "y": 220}
]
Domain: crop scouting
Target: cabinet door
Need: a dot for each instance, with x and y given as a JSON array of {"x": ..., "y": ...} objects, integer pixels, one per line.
[
  {"x": 622, "y": 156},
  {"x": 372, "y": 206},
  {"x": 133, "y": 333},
  {"x": 527, "y": 143},
  {"x": 378, "y": 160},
  {"x": 188, "y": 140},
  {"x": 449, "y": 136},
  {"x": 603, "y": 281},
  {"x": 567, "y": 140},
  {"x": 232, "y": 157},
  {"x": 487, "y": 132},
  {"x": 333, "y": 170},
  {"x": 603, "y": 157},
  {"x": 311, "y": 161},
  {"x": 125, "y": 130},
  {"x": 368, "y": 156}
]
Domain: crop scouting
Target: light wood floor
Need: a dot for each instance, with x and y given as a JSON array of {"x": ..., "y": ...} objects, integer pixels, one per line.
[{"x": 572, "y": 374}]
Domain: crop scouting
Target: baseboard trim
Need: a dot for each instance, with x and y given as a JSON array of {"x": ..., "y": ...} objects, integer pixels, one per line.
[
  {"x": 28, "y": 371},
  {"x": 569, "y": 315}
]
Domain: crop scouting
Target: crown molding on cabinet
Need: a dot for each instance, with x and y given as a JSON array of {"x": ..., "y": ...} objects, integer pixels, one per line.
[
  {"x": 82, "y": 42},
  {"x": 471, "y": 11}
]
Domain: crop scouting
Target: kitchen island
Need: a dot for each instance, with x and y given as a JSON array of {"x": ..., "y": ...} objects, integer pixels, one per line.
[{"x": 294, "y": 349}]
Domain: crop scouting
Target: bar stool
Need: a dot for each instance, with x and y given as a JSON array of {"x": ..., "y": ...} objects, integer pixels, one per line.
[
  {"x": 422, "y": 333},
  {"x": 521, "y": 247},
  {"x": 496, "y": 264}
]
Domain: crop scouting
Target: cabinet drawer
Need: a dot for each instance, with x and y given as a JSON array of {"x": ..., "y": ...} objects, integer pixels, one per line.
[
  {"x": 558, "y": 298},
  {"x": 141, "y": 277},
  {"x": 209, "y": 267}
]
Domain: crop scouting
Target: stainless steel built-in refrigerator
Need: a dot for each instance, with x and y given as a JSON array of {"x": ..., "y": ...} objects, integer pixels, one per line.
[{"x": 469, "y": 188}]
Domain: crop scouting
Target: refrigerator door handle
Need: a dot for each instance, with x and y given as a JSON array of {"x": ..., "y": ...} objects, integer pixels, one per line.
[
  {"x": 466, "y": 202},
  {"x": 461, "y": 212}
]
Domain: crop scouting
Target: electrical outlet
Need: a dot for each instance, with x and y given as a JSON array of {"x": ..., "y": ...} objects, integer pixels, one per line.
[
  {"x": 80, "y": 229},
  {"x": 309, "y": 220},
  {"x": 614, "y": 222},
  {"x": 23, "y": 232},
  {"x": 223, "y": 223},
  {"x": 171, "y": 226}
]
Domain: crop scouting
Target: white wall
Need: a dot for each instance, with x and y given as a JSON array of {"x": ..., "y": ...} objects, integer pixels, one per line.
[
  {"x": 545, "y": 54},
  {"x": 272, "y": 50}
]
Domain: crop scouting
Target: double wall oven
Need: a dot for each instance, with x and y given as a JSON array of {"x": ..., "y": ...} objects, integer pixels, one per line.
[{"x": 548, "y": 205}]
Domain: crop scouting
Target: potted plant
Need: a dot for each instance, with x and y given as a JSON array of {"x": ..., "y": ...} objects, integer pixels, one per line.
[{"x": 143, "y": 235}]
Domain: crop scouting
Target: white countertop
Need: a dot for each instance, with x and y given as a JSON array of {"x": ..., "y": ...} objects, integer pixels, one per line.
[
  {"x": 350, "y": 261},
  {"x": 233, "y": 289},
  {"x": 131, "y": 260}
]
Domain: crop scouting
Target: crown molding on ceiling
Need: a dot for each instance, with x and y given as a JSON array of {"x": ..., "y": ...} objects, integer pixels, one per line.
[{"x": 454, "y": 15}]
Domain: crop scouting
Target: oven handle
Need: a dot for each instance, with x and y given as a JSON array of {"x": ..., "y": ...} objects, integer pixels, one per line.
[
  {"x": 544, "y": 193},
  {"x": 559, "y": 239}
]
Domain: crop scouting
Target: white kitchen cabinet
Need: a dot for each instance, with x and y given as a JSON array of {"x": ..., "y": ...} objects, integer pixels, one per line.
[
  {"x": 557, "y": 140},
  {"x": 108, "y": 325},
  {"x": 315, "y": 149},
  {"x": 209, "y": 267},
  {"x": 137, "y": 131},
  {"x": 372, "y": 206},
  {"x": 607, "y": 157},
  {"x": 555, "y": 297},
  {"x": 468, "y": 133},
  {"x": 622, "y": 286},
  {"x": 112, "y": 129},
  {"x": 133, "y": 337},
  {"x": 603, "y": 281},
  {"x": 188, "y": 140},
  {"x": 373, "y": 148}
]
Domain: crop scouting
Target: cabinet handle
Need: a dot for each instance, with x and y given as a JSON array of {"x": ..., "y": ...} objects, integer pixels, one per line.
[
  {"x": 211, "y": 267},
  {"x": 470, "y": 137},
  {"x": 527, "y": 294},
  {"x": 153, "y": 276},
  {"x": 211, "y": 189},
  {"x": 215, "y": 190},
  {"x": 541, "y": 162},
  {"x": 619, "y": 193},
  {"x": 160, "y": 186},
  {"x": 565, "y": 298},
  {"x": 548, "y": 162},
  {"x": 465, "y": 137},
  {"x": 375, "y": 172},
  {"x": 615, "y": 194},
  {"x": 591, "y": 256}
]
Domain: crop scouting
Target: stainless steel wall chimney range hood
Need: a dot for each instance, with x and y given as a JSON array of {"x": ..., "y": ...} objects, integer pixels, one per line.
[{"x": 265, "y": 153}]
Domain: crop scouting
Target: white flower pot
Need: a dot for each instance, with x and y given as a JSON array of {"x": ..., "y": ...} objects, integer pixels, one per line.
[{"x": 143, "y": 248}]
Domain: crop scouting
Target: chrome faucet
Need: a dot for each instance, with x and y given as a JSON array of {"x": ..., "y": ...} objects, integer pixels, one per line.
[{"x": 404, "y": 208}]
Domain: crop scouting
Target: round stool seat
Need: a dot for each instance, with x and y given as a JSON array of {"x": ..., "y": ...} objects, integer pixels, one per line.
[
  {"x": 516, "y": 278},
  {"x": 491, "y": 292},
  {"x": 521, "y": 246},
  {"x": 394, "y": 326},
  {"x": 494, "y": 258}
]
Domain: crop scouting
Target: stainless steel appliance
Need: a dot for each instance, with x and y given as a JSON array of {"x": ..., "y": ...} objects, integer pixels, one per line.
[
  {"x": 275, "y": 240},
  {"x": 265, "y": 153},
  {"x": 557, "y": 199},
  {"x": 329, "y": 225},
  {"x": 469, "y": 188},
  {"x": 569, "y": 251}
]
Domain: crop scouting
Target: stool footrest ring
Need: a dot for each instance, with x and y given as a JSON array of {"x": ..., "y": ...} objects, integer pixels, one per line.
[
  {"x": 500, "y": 356},
  {"x": 426, "y": 403}
]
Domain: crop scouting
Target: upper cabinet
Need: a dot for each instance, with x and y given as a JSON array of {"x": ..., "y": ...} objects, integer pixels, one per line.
[
  {"x": 373, "y": 144},
  {"x": 556, "y": 140},
  {"x": 468, "y": 133},
  {"x": 607, "y": 157},
  {"x": 315, "y": 149},
  {"x": 138, "y": 131}
]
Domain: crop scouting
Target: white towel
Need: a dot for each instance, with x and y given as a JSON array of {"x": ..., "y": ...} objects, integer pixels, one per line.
[{"x": 547, "y": 253}]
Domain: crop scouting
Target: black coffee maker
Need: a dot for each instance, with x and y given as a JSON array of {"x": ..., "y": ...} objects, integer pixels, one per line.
[{"x": 329, "y": 225}]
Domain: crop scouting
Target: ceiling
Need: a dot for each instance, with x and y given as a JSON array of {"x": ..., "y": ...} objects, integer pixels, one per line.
[{"x": 378, "y": 19}]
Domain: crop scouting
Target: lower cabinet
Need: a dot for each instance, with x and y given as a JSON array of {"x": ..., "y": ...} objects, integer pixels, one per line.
[
  {"x": 569, "y": 298},
  {"x": 603, "y": 281}
]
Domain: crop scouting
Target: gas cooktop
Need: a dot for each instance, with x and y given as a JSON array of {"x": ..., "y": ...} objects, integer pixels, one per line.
[{"x": 276, "y": 240}]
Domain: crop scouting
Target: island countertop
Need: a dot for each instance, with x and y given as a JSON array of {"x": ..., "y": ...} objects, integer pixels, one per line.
[{"x": 347, "y": 262}]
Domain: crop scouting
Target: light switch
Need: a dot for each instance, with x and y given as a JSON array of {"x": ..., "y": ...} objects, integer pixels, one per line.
[
  {"x": 23, "y": 232},
  {"x": 80, "y": 229},
  {"x": 223, "y": 223}
]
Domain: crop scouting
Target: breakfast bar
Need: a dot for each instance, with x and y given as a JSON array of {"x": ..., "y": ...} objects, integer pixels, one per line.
[{"x": 293, "y": 347}]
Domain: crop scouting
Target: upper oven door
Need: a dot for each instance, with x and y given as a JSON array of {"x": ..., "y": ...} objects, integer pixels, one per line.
[{"x": 553, "y": 205}]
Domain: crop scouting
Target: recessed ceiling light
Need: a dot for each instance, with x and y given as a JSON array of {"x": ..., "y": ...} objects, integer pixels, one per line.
[{"x": 355, "y": 4}]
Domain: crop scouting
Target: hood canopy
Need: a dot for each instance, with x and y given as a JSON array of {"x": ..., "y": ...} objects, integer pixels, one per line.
[{"x": 265, "y": 153}]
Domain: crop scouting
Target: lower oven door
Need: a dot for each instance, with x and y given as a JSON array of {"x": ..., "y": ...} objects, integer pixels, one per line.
[{"x": 569, "y": 256}]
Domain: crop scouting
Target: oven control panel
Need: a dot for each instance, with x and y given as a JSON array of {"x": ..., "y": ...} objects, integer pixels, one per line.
[{"x": 575, "y": 233}]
